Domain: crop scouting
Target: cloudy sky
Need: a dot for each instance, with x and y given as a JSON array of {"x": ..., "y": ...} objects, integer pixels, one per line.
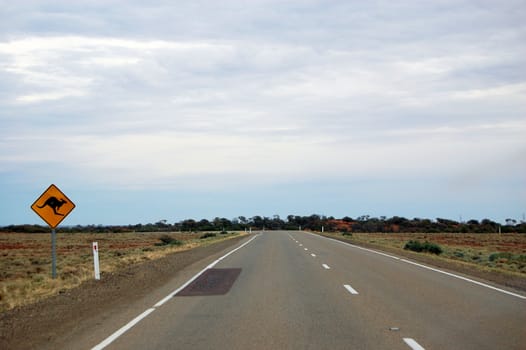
[{"x": 148, "y": 110}]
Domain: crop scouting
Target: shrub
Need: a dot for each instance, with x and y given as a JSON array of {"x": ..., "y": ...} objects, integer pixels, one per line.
[
  {"x": 420, "y": 247},
  {"x": 207, "y": 235},
  {"x": 432, "y": 248},
  {"x": 347, "y": 234},
  {"x": 415, "y": 246},
  {"x": 458, "y": 254},
  {"x": 167, "y": 240},
  {"x": 496, "y": 256},
  {"x": 224, "y": 232},
  {"x": 508, "y": 256}
]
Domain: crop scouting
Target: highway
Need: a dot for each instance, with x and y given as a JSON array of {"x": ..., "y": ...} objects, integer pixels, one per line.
[{"x": 296, "y": 290}]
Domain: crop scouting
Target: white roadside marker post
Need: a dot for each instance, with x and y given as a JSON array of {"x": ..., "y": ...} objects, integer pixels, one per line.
[{"x": 96, "y": 260}]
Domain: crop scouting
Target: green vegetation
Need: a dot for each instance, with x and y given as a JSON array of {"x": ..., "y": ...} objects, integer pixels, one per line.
[
  {"x": 503, "y": 253},
  {"x": 425, "y": 247},
  {"x": 167, "y": 240},
  {"x": 508, "y": 257},
  {"x": 208, "y": 235},
  {"x": 313, "y": 222}
]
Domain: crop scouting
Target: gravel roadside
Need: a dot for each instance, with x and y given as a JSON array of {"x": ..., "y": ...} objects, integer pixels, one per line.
[{"x": 35, "y": 325}]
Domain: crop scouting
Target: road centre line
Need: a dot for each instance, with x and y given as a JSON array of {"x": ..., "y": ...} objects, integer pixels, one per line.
[
  {"x": 325, "y": 266},
  {"x": 137, "y": 319},
  {"x": 313, "y": 255},
  {"x": 350, "y": 289},
  {"x": 413, "y": 344},
  {"x": 306, "y": 248},
  {"x": 426, "y": 267}
]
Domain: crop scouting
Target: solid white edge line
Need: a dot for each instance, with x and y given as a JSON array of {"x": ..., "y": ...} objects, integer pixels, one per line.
[
  {"x": 464, "y": 279},
  {"x": 172, "y": 294},
  {"x": 235, "y": 250},
  {"x": 428, "y": 268},
  {"x": 123, "y": 329},
  {"x": 350, "y": 289},
  {"x": 355, "y": 246},
  {"x": 327, "y": 267},
  {"x": 413, "y": 344},
  {"x": 137, "y": 319}
]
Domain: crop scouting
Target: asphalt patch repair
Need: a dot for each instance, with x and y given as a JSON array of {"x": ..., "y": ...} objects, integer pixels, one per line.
[{"x": 212, "y": 282}]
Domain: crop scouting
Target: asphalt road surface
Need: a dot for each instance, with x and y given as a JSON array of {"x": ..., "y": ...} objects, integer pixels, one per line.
[{"x": 295, "y": 290}]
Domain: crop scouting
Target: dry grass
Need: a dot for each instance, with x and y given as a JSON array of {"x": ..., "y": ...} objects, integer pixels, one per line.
[
  {"x": 25, "y": 259},
  {"x": 505, "y": 253}
]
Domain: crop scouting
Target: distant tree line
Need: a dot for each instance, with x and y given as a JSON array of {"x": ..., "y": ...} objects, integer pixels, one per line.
[{"x": 313, "y": 222}]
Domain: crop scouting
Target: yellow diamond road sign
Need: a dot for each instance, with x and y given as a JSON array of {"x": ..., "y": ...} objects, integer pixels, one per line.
[{"x": 53, "y": 206}]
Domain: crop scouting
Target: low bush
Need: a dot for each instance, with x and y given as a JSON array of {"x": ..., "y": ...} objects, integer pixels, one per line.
[
  {"x": 415, "y": 246},
  {"x": 508, "y": 256},
  {"x": 458, "y": 254},
  {"x": 432, "y": 248},
  {"x": 167, "y": 240},
  {"x": 347, "y": 234},
  {"x": 207, "y": 235},
  {"x": 426, "y": 247},
  {"x": 497, "y": 256}
]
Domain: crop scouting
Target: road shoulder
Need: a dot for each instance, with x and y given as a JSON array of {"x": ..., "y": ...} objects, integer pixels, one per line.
[
  {"x": 506, "y": 280},
  {"x": 53, "y": 320}
]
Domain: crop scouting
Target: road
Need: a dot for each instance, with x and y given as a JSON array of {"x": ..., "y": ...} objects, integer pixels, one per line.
[{"x": 296, "y": 290}]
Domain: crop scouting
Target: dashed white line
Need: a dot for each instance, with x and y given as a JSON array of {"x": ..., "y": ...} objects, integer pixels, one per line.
[
  {"x": 306, "y": 248},
  {"x": 413, "y": 344},
  {"x": 425, "y": 267},
  {"x": 301, "y": 245},
  {"x": 313, "y": 255},
  {"x": 350, "y": 289},
  {"x": 325, "y": 266}
]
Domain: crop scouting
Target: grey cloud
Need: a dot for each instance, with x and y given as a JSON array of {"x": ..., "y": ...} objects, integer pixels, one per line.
[{"x": 345, "y": 74}]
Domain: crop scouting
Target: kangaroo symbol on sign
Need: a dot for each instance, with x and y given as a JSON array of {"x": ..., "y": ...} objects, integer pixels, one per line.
[{"x": 54, "y": 203}]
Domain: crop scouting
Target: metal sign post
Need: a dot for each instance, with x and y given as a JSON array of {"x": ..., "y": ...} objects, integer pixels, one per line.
[
  {"x": 53, "y": 254},
  {"x": 53, "y": 206}
]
